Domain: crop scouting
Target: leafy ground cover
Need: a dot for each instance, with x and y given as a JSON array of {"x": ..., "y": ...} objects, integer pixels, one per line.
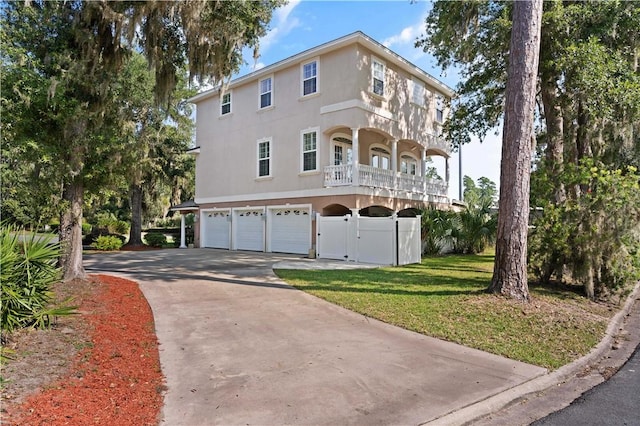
[{"x": 444, "y": 297}]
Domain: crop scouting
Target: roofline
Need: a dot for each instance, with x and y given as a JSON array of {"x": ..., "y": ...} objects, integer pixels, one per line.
[{"x": 357, "y": 36}]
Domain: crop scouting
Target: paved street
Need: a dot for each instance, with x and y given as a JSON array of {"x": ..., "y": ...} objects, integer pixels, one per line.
[{"x": 615, "y": 402}]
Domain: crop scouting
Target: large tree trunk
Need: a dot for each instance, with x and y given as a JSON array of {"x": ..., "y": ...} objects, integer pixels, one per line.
[
  {"x": 135, "y": 232},
  {"x": 71, "y": 231},
  {"x": 510, "y": 267}
]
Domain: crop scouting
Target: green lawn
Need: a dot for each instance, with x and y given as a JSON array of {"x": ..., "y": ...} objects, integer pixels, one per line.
[{"x": 444, "y": 297}]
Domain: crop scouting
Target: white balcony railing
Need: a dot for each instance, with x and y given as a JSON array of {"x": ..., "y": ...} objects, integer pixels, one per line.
[{"x": 381, "y": 178}]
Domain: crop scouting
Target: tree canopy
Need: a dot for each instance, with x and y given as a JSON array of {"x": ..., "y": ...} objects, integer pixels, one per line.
[
  {"x": 62, "y": 61},
  {"x": 588, "y": 110}
]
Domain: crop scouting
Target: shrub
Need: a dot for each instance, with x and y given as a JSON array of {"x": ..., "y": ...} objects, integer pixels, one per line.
[
  {"x": 107, "y": 243},
  {"x": 593, "y": 237},
  {"x": 28, "y": 271},
  {"x": 155, "y": 239},
  {"x": 108, "y": 222},
  {"x": 86, "y": 228},
  {"x": 437, "y": 226}
]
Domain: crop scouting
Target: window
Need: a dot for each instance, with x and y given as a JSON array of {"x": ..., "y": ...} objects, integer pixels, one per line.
[
  {"x": 377, "y": 72},
  {"x": 439, "y": 109},
  {"x": 264, "y": 157},
  {"x": 309, "y": 78},
  {"x": 418, "y": 93},
  {"x": 380, "y": 158},
  {"x": 225, "y": 104},
  {"x": 408, "y": 165},
  {"x": 265, "y": 88},
  {"x": 342, "y": 151},
  {"x": 309, "y": 151}
]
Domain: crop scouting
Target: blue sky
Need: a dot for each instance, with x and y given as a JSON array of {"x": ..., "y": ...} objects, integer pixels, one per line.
[{"x": 301, "y": 25}]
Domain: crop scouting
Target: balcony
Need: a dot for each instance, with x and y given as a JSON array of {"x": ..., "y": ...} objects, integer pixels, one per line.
[{"x": 381, "y": 178}]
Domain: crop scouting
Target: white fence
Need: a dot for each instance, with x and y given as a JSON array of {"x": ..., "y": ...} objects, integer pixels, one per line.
[{"x": 379, "y": 240}]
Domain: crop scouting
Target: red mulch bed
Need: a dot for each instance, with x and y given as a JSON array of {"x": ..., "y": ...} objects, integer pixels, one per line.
[{"x": 118, "y": 380}]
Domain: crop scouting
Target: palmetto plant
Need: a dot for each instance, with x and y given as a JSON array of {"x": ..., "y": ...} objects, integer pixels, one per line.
[
  {"x": 477, "y": 230},
  {"x": 28, "y": 268}
]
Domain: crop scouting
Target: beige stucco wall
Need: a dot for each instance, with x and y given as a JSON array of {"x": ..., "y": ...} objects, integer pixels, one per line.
[{"x": 227, "y": 163}]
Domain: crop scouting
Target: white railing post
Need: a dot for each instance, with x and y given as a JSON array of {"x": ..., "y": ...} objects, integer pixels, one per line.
[{"x": 355, "y": 160}]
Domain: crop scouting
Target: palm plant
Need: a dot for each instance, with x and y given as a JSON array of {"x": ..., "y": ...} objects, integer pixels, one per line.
[{"x": 28, "y": 269}]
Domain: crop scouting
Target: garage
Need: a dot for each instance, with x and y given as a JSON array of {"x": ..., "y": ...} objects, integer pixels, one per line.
[
  {"x": 216, "y": 229},
  {"x": 248, "y": 229},
  {"x": 289, "y": 230}
]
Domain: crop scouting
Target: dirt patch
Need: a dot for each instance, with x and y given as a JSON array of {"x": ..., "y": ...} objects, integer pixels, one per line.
[{"x": 101, "y": 366}]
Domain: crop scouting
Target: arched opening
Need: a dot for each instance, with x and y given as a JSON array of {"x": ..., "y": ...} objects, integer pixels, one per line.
[
  {"x": 335, "y": 210},
  {"x": 341, "y": 149},
  {"x": 376, "y": 211},
  {"x": 410, "y": 212}
]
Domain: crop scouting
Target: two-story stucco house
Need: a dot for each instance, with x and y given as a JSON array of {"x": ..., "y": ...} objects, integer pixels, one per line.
[{"x": 342, "y": 128}]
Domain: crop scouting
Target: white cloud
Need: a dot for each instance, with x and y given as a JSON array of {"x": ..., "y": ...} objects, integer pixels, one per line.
[
  {"x": 406, "y": 36},
  {"x": 281, "y": 24}
]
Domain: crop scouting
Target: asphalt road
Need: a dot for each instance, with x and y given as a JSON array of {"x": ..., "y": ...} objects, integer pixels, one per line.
[{"x": 614, "y": 402}]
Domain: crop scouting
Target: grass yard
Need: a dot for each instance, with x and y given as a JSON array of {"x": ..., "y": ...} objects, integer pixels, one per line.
[{"x": 444, "y": 297}]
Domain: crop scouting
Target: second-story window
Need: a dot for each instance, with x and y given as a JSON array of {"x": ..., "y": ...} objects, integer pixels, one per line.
[
  {"x": 309, "y": 151},
  {"x": 418, "y": 93},
  {"x": 225, "y": 104},
  {"x": 408, "y": 165},
  {"x": 439, "y": 109},
  {"x": 309, "y": 78},
  {"x": 377, "y": 73},
  {"x": 264, "y": 158},
  {"x": 265, "y": 87}
]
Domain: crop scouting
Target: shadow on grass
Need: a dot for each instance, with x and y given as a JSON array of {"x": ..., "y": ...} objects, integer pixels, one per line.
[
  {"x": 389, "y": 291},
  {"x": 558, "y": 290}
]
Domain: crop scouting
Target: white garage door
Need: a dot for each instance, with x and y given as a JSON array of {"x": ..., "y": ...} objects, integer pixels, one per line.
[
  {"x": 249, "y": 230},
  {"x": 216, "y": 229},
  {"x": 290, "y": 230}
]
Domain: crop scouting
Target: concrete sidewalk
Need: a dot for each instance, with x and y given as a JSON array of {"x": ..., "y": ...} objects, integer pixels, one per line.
[{"x": 238, "y": 346}]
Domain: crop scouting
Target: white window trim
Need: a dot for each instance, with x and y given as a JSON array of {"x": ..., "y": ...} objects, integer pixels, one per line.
[
  {"x": 222, "y": 95},
  {"x": 375, "y": 60},
  {"x": 315, "y": 130},
  {"x": 317, "y": 77},
  {"x": 413, "y": 158},
  {"x": 260, "y": 93},
  {"x": 387, "y": 155},
  {"x": 440, "y": 102},
  {"x": 423, "y": 97},
  {"x": 344, "y": 145},
  {"x": 270, "y": 158}
]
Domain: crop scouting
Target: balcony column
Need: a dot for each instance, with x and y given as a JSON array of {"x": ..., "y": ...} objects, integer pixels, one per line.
[
  {"x": 355, "y": 157},
  {"x": 446, "y": 170},
  {"x": 423, "y": 162},
  {"x": 394, "y": 156}
]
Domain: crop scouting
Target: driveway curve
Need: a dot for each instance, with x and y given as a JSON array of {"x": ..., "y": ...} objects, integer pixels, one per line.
[{"x": 239, "y": 346}]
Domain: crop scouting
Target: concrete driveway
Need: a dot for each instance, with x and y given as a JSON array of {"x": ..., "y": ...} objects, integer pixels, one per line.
[{"x": 238, "y": 346}]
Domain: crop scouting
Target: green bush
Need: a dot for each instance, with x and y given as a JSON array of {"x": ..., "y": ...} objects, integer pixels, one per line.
[
  {"x": 593, "y": 237},
  {"x": 155, "y": 239},
  {"x": 29, "y": 268},
  {"x": 86, "y": 228},
  {"x": 108, "y": 222},
  {"x": 107, "y": 243}
]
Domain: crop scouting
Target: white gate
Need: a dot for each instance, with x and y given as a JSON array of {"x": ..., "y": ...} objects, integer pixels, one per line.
[
  {"x": 378, "y": 240},
  {"x": 333, "y": 237},
  {"x": 375, "y": 240}
]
